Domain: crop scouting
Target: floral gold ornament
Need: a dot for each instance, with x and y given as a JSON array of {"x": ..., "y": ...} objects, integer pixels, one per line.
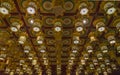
[
  {"x": 67, "y": 21},
  {"x": 47, "y": 5},
  {"x": 68, "y": 5}
]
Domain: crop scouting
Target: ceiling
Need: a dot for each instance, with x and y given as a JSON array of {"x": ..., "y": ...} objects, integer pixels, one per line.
[{"x": 59, "y": 37}]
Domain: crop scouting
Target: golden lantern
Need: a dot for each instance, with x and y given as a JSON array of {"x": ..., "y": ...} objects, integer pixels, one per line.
[
  {"x": 23, "y": 38},
  {"x": 58, "y": 25},
  {"x": 108, "y": 7},
  {"x": 100, "y": 24},
  {"x": 30, "y": 6},
  {"x": 84, "y": 8},
  {"x": 116, "y": 23},
  {"x": 79, "y": 26},
  {"x": 6, "y": 7},
  {"x": 15, "y": 24},
  {"x": 110, "y": 36}
]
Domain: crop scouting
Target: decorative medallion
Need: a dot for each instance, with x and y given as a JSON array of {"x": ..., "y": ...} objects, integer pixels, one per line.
[
  {"x": 67, "y": 21},
  {"x": 49, "y": 20},
  {"x": 58, "y": 10},
  {"x": 47, "y": 5},
  {"x": 68, "y": 5},
  {"x": 50, "y": 33},
  {"x": 66, "y": 33}
]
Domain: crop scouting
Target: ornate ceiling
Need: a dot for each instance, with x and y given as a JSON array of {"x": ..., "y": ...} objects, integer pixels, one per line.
[{"x": 59, "y": 37}]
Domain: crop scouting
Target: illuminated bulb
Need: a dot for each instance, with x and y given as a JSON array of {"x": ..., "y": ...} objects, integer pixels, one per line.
[
  {"x": 22, "y": 39},
  {"x": 70, "y": 62},
  {"x": 40, "y": 40},
  {"x": 102, "y": 66},
  {"x": 80, "y": 67},
  {"x": 21, "y": 73},
  {"x": 15, "y": 26},
  {"x": 74, "y": 51},
  {"x": 85, "y": 21},
  {"x": 79, "y": 29},
  {"x": 99, "y": 70},
  {"x": 58, "y": 29},
  {"x": 111, "y": 10},
  {"x": 42, "y": 51},
  {"x": 118, "y": 26},
  {"x": 83, "y": 62},
  {"x": 101, "y": 29},
  {"x": 118, "y": 49},
  {"x": 7, "y": 70},
  {"x": 34, "y": 62},
  {"x": 84, "y": 11},
  {"x": 95, "y": 61},
  {"x": 99, "y": 56},
  {"x": 18, "y": 70},
  {"x": 4, "y": 10},
  {"x": 111, "y": 39},
  {"x": 86, "y": 56},
  {"x": 36, "y": 29},
  {"x": 31, "y": 21},
  {"x": 76, "y": 41},
  {"x": 113, "y": 66},
  {"x": 31, "y": 10},
  {"x": 105, "y": 73},
  {"x": 104, "y": 49},
  {"x": 27, "y": 49},
  {"x": 107, "y": 62},
  {"x": 89, "y": 49},
  {"x": 91, "y": 66},
  {"x": 92, "y": 38},
  {"x": 109, "y": 70},
  {"x": 11, "y": 73},
  {"x": 22, "y": 62},
  {"x": 45, "y": 62},
  {"x": 14, "y": 29},
  {"x": 30, "y": 58}
]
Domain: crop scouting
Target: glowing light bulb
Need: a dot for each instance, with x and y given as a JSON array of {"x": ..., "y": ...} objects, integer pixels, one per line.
[
  {"x": 111, "y": 10},
  {"x": 58, "y": 29},
  {"x": 22, "y": 39},
  {"x": 42, "y": 51},
  {"x": 76, "y": 41},
  {"x": 31, "y": 10},
  {"x": 14, "y": 29},
  {"x": 79, "y": 29},
  {"x": 101, "y": 29},
  {"x": 4, "y": 10},
  {"x": 84, "y": 11},
  {"x": 36, "y": 29},
  {"x": 74, "y": 51}
]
